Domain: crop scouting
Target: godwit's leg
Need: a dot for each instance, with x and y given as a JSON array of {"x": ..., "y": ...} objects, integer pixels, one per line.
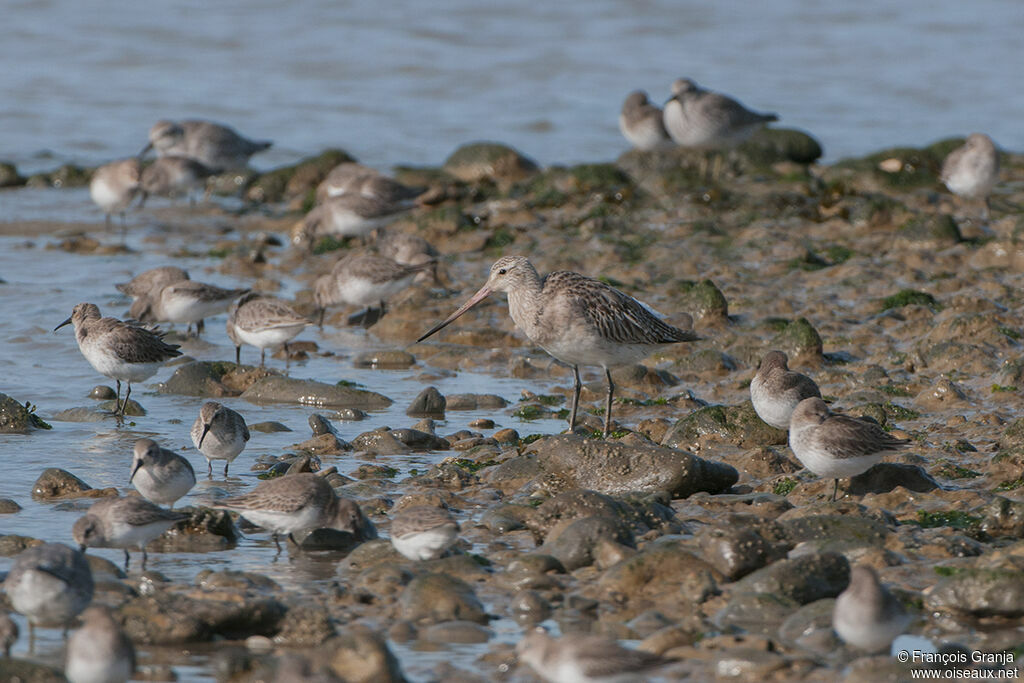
[
  {"x": 117, "y": 402},
  {"x": 124, "y": 405},
  {"x": 608, "y": 404},
  {"x": 576, "y": 386}
]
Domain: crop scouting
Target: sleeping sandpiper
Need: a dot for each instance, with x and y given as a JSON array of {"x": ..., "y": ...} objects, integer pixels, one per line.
[
  {"x": 776, "y": 390},
  {"x": 423, "y": 532},
  {"x": 189, "y": 302},
  {"x": 214, "y": 145},
  {"x": 971, "y": 170},
  {"x": 99, "y": 651},
  {"x": 642, "y": 124},
  {"x": 160, "y": 475},
  {"x": 363, "y": 279},
  {"x": 172, "y": 177},
  {"x": 584, "y": 658},
  {"x": 866, "y": 615},
  {"x": 695, "y": 117}
]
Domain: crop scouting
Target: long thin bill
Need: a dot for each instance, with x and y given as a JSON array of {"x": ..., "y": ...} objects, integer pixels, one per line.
[
  {"x": 66, "y": 322},
  {"x": 473, "y": 301}
]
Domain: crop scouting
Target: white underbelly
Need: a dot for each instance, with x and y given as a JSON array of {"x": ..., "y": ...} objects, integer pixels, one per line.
[{"x": 264, "y": 339}]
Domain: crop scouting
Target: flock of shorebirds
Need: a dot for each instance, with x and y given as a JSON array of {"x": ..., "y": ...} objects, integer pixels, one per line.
[{"x": 578, "y": 320}]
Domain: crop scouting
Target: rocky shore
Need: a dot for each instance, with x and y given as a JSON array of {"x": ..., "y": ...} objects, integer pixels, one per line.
[{"x": 692, "y": 530}]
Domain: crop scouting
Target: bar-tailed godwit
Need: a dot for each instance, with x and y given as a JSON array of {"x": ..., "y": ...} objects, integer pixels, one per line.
[{"x": 576, "y": 319}]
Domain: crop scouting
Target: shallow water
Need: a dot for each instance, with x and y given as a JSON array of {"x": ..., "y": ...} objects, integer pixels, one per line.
[
  {"x": 46, "y": 368},
  {"x": 399, "y": 83}
]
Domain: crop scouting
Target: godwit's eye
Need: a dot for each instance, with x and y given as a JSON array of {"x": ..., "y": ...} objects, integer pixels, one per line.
[{"x": 502, "y": 271}]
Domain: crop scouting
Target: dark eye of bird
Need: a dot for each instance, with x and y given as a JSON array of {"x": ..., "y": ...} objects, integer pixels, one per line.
[{"x": 502, "y": 271}]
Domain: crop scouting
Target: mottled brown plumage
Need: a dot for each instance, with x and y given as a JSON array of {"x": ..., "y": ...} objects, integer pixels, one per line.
[
  {"x": 128, "y": 522},
  {"x": 263, "y": 322},
  {"x": 152, "y": 281},
  {"x": 120, "y": 350},
  {"x": 576, "y": 319},
  {"x": 298, "y": 502}
]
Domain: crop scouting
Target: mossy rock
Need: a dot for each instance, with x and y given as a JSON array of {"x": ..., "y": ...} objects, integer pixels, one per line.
[
  {"x": 935, "y": 230},
  {"x": 606, "y": 178},
  {"x": 738, "y": 425},
  {"x": 772, "y": 145},
  {"x": 798, "y": 339},
  {"x": 917, "y": 167},
  {"x": 444, "y": 220},
  {"x": 68, "y": 175},
  {"x": 703, "y": 300},
  {"x": 488, "y": 160},
  {"x": 9, "y": 176},
  {"x": 910, "y": 297},
  {"x": 297, "y": 179},
  {"x": 16, "y": 418}
]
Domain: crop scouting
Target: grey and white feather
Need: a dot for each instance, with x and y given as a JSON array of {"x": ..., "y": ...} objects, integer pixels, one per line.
[
  {"x": 263, "y": 322},
  {"x": 642, "y": 123},
  {"x": 216, "y": 146},
  {"x": 423, "y": 532},
  {"x": 122, "y": 351},
  {"x": 695, "y": 117},
  {"x": 837, "y": 446},
  {"x": 299, "y": 502},
  {"x": 219, "y": 433},
  {"x": 776, "y": 390},
  {"x": 585, "y": 658},
  {"x": 49, "y": 584},
  {"x": 127, "y": 522},
  {"x": 971, "y": 170},
  {"x": 866, "y": 615},
  {"x": 114, "y": 186},
  {"x": 160, "y": 475},
  {"x": 99, "y": 651}
]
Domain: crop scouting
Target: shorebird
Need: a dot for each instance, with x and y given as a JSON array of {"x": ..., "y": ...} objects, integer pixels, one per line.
[
  {"x": 113, "y": 186},
  {"x": 128, "y": 522},
  {"x": 404, "y": 248},
  {"x": 215, "y": 146},
  {"x": 50, "y": 584},
  {"x": 219, "y": 433},
  {"x": 119, "y": 350},
  {"x": 346, "y": 215},
  {"x": 584, "y": 658},
  {"x": 353, "y": 178},
  {"x": 362, "y": 279},
  {"x": 577, "y": 320},
  {"x": 263, "y": 322},
  {"x": 99, "y": 651},
  {"x": 173, "y": 176},
  {"x": 189, "y": 302},
  {"x": 866, "y": 615},
  {"x": 641, "y": 122},
  {"x": 837, "y": 446},
  {"x": 297, "y": 502},
  {"x": 423, "y": 532},
  {"x": 160, "y": 475},
  {"x": 8, "y": 633},
  {"x": 695, "y": 117},
  {"x": 776, "y": 390},
  {"x": 971, "y": 170},
  {"x": 151, "y": 281}
]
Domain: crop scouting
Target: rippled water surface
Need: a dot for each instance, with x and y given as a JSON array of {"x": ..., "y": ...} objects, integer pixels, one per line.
[
  {"x": 403, "y": 82},
  {"x": 407, "y": 82}
]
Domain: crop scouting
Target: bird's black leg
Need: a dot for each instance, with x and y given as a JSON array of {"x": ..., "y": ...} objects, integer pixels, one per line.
[
  {"x": 263, "y": 355},
  {"x": 128, "y": 393},
  {"x": 238, "y": 355},
  {"x": 835, "y": 489},
  {"x": 608, "y": 404},
  {"x": 576, "y": 386},
  {"x": 127, "y": 560}
]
